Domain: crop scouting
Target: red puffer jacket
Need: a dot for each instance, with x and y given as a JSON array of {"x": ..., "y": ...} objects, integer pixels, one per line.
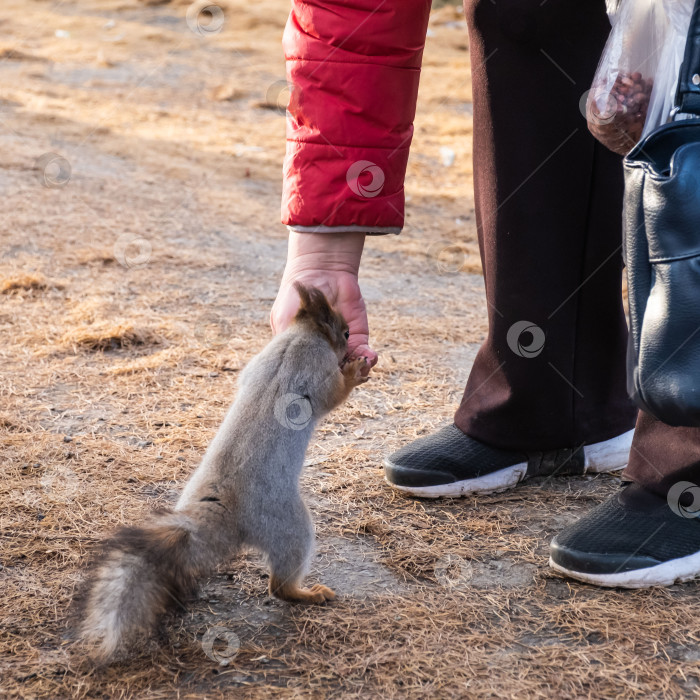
[{"x": 353, "y": 68}]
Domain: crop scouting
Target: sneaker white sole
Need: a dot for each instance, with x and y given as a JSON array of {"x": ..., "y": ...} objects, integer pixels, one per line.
[
  {"x": 666, "y": 574},
  {"x": 607, "y": 456}
]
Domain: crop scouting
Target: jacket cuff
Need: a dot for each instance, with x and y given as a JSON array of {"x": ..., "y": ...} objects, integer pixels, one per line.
[
  {"x": 343, "y": 186},
  {"x": 375, "y": 231}
]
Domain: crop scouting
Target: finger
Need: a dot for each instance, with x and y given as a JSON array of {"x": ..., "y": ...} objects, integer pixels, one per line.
[
  {"x": 284, "y": 311},
  {"x": 372, "y": 358},
  {"x": 363, "y": 350}
]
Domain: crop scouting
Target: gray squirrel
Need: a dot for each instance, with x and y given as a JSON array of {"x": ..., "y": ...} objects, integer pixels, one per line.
[{"x": 245, "y": 492}]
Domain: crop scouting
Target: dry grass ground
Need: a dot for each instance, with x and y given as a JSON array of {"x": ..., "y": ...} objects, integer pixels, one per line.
[{"x": 138, "y": 265}]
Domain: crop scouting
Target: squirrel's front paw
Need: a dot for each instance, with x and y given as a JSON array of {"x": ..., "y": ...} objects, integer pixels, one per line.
[{"x": 353, "y": 371}]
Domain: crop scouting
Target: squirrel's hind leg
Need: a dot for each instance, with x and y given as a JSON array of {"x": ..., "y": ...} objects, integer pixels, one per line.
[{"x": 288, "y": 551}]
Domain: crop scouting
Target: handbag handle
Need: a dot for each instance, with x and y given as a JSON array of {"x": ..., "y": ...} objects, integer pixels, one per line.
[{"x": 688, "y": 93}]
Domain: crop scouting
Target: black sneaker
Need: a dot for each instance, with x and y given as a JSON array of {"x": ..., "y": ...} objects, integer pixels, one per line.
[
  {"x": 635, "y": 539},
  {"x": 450, "y": 464}
]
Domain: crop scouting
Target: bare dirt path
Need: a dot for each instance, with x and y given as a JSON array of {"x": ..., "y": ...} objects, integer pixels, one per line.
[{"x": 139, "y": 256}]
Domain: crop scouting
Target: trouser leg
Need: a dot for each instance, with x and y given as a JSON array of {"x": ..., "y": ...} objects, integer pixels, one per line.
[
  {"x": 551, "y": 372},
  {"x": 661, "y": 455}
]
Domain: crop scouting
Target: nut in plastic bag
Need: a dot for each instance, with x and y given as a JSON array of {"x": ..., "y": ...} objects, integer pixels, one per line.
[{"x": 618, "y": 102}]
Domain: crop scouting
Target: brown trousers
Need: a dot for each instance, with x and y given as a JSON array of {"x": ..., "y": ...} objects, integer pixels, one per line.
[{"x": 551, "y": 373}]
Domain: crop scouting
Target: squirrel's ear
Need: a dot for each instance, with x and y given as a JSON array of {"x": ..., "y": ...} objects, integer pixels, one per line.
[
  {"x": 314, "y": 308},
  {"x": 313, "y": 304},
  {"x": 304, "y": 296}
]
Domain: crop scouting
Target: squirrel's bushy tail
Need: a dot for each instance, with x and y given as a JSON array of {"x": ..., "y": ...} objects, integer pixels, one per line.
[{"x": 142, "y": 572}]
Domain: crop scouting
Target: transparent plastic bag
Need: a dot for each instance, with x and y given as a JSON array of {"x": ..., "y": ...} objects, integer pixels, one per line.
[
  {"x": 611, "y": 7},
  {"x": 678, "y": 13},
  {"x": 618, "y": 101}
]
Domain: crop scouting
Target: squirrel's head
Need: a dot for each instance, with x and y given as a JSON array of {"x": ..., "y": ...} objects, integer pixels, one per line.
[{"x": 315, "y": 311}]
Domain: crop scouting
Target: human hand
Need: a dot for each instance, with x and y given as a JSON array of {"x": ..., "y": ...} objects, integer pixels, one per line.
[{"x": 329, "y": 262}]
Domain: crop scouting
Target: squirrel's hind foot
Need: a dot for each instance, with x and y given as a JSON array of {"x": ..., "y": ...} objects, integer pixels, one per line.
[{"x": 294, "y": 594}]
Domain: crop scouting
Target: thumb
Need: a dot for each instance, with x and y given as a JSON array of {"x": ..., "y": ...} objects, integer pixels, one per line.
[{"x": 283, "y": 311}]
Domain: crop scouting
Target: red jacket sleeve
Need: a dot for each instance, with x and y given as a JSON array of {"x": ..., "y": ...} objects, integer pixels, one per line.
[{"x": 353, "y": 68}]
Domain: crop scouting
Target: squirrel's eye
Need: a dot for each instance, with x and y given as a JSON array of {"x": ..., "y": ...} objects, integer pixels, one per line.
[{"x": 347, "y": 334}]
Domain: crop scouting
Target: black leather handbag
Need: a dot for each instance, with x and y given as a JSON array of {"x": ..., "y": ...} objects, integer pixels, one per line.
[{"x": 661, "y": 245}]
